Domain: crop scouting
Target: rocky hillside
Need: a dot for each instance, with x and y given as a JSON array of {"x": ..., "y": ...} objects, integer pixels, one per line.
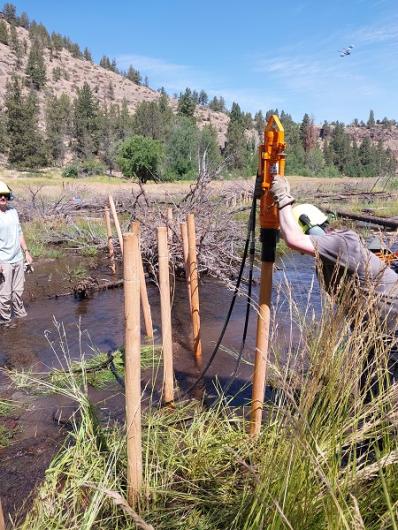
[
  {"x": 389, "y": 136},
  {"x": 108, "y": 86}
]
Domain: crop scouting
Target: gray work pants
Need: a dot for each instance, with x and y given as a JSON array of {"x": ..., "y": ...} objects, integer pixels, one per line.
[{"x": 11, "y": 290}]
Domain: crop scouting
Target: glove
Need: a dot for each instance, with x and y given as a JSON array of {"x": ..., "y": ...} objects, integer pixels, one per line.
[
  {"x": 280, "y": 190},
  {"x": 258, "y": 187}
]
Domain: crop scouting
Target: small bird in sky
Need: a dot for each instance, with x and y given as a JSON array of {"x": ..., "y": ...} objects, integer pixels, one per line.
[{"x": 346, "y": 51}]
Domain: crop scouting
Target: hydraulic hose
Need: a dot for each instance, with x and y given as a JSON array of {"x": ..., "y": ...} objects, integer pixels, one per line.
[{"x": 250, "y": 238}]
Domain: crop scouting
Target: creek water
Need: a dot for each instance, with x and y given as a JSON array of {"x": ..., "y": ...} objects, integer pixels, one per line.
[{"x": 66, "y": 326}]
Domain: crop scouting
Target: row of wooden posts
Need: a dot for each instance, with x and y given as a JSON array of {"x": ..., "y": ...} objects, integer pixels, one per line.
[{"x": 136, "y": 298}]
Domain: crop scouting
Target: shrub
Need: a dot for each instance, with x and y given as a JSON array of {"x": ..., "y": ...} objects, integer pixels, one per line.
[{"x": 71, "y": 171}]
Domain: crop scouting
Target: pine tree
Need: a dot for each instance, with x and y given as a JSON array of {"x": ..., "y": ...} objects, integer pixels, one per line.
[
  {"x": 147, "y": 120},
  {"x": 10, "y": 13},
  {"x": 371, "y": 120},
  {"x": 134, "y": 75},
  {"x": 123, "y": 122},
  {"x": 186, "y": 104},
  {"x": 367, "y": 158},
  {"x": 35, "y": 68},
  {"x": 26, "y": 144},
  {"x": 307, "y": 133},
  {"x": 203, "y": 98},
  {"x": 58, "y": 111},
  {"x": 259, "y": 123},
  {"x": 23, "y": 20},
  {"x": 87, "y": 55},
  {"x": 4, "y": 37},
  {"x": 85, "y": 123}
]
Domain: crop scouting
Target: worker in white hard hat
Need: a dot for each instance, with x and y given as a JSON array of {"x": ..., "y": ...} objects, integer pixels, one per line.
[
  {"x": 343, "y": 260},
  {"x": 12, "y": 250}
]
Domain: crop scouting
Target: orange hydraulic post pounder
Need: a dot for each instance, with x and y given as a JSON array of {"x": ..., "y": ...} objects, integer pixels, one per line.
[{"x": 271, "y": 162}]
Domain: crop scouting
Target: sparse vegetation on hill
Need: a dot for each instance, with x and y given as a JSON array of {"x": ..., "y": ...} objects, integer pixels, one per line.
[{"x": 73, "y": 111}]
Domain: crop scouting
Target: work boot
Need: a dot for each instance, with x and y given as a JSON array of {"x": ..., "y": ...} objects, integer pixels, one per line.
[{"x": 5, "y": 324}]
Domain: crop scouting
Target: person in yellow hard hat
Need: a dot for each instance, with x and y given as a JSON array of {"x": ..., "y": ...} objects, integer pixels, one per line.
[
  {"x": 343, "y": 261},
  {"x": 12, "y": 247}
]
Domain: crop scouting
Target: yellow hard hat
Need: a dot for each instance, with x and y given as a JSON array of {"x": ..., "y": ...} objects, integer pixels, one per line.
[
  {"x": 309, "y": 217},
  {"x": 5, "y": 189}
]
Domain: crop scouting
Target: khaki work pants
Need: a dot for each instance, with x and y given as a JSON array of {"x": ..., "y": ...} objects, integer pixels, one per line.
[{"x": 11, "y": 290}]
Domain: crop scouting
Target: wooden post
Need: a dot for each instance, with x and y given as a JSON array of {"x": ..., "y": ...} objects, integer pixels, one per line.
[
  {"x": 2, "y": 522},
  {"x": 165, "y": 308},
  {"x": 185, "y": 250},
  {"x": 193, "y": 275},
  {"x": 146, "y": 308},
  {"x": 116, "y": 221},
  {"x": 132, "y": 344},
  {"x": 260, "y": 362},
  {"x": 110, "y": 242}
]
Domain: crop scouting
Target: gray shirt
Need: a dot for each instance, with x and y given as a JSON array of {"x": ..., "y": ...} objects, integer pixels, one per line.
[
  {"x": 10, "y": 233},
  {"x": 346, "y": 261}
]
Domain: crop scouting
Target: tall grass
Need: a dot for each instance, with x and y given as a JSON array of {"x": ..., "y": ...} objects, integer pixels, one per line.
[{"x": 326, "y": 458}]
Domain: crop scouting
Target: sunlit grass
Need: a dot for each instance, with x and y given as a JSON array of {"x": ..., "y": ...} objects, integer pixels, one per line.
[{"x": 325, "y": 459}]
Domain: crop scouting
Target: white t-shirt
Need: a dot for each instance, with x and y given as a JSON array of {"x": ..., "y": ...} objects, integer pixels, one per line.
[{"x": 10, "y": 233}]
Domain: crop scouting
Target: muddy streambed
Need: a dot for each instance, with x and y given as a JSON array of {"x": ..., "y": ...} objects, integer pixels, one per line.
[{"x": 65, "y": 326}]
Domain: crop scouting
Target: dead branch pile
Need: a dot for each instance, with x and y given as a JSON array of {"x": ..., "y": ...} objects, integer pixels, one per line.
[{"x": 219, "y": 234}]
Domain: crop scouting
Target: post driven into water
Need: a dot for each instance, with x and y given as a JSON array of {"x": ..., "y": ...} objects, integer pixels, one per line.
[
  {"x": 271, "y": 162},
  {"x": 132, "y": 344}
]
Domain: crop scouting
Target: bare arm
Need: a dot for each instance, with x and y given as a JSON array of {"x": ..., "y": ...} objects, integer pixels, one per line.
[
  {"x": 292, "y": 234},
  {"x": 24, "y": 247}
]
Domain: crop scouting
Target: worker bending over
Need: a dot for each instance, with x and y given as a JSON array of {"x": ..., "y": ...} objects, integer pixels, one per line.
[
  {"x": 344, "y": 262},
  {"x": 12, "y": 245}
]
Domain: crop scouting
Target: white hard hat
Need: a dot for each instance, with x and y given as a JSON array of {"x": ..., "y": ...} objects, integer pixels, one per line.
[
  {"x": 5, "y": 189},
  {"x": 310, "y": 218}
]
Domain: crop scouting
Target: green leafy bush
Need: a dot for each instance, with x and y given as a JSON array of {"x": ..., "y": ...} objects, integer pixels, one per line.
[{"x": 71, "y": 171}]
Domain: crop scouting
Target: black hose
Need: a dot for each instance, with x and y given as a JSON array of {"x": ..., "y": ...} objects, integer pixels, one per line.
[
  {"x": 112, "y": 368},
  {"x": 250, "y": 236},
  {"x": 252, "y": 223}
]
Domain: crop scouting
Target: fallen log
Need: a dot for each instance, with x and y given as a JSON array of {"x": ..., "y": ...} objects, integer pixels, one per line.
[
  {"x": 387, "y": 222},
  {"x": 99, "y": 287}
]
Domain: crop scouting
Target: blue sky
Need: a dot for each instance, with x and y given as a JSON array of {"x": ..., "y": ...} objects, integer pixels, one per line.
[{"x": 261, "y": 54}]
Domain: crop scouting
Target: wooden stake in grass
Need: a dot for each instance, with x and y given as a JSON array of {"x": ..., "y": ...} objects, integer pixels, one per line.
[
  {"x": 110, "y": 242},
  {"x": 132, "y": 344},
  {"x": 164, "y": 284},
  {"x": 185, "y": 250},
  {"x": 116, "y": 221},
  {"x": 260, "y": 361},
  {"x": 2, "y": 522},
  {"x": 193, "y": 276},
  {"x": 146, "y": 308}
]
